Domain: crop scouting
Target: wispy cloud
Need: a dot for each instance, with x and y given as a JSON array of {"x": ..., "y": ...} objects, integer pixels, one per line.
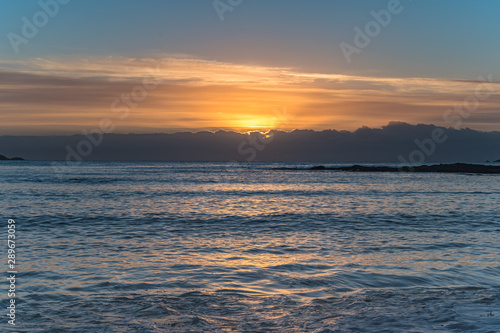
[{"x": 70, "y": 94}]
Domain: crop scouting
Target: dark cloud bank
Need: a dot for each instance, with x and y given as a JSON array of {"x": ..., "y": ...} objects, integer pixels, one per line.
[{"x": 396, "y": 142}]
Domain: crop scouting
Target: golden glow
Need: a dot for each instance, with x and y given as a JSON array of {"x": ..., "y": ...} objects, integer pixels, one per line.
[
  {"x": 71, "y": 95},
  {"x": 255, "y": 123}
]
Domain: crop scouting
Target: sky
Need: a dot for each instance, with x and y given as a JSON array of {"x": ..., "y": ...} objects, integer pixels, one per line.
[{"x": 163, "y": 66}]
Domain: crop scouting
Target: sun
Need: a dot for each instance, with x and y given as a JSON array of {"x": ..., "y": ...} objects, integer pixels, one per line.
[{"x": 255, "y": 124}]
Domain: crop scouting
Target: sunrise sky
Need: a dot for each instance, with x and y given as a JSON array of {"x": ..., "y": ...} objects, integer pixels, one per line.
[{"x": 168, "y": 66}]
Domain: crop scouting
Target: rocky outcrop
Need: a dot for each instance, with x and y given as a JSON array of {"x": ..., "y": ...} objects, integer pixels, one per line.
[
  {"x": 447, "y": 168},
  {"x": 4, "y": 158}
]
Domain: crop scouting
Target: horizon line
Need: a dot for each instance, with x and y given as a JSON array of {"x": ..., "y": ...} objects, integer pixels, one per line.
[{"x": 250, "y": 131}]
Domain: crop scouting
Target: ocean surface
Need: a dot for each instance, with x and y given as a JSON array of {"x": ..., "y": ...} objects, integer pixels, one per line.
[{"x": 224, "y": 247}]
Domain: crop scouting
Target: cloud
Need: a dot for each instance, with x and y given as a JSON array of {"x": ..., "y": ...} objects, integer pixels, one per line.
[
  {"x": 365, "y": 144},
  {"x": 67, "y": 95}
]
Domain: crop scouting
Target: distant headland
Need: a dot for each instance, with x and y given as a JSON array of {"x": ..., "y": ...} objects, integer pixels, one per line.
[
  {"x": 5, "y": 158},
  {"x": 446, "y": 168}
]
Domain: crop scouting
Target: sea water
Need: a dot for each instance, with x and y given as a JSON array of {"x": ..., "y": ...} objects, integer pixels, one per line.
[{"x": 224, "y": 247}]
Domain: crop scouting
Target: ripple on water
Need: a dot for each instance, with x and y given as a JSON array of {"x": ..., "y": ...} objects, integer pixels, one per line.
[{"x": 391, "y": 310}]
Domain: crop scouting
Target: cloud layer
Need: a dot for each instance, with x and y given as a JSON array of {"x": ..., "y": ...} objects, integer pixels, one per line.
[
  {"x": 396, "y": 142},
  {"x": 68, "y": 95}
]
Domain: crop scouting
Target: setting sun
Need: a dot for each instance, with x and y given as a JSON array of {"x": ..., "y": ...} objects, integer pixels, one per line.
[{"x": 255, "y": 124}]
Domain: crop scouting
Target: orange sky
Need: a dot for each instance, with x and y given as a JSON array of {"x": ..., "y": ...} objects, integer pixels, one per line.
[{"x": 180, "y": 92}]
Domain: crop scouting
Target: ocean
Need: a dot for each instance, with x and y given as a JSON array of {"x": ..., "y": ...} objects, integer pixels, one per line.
[{"x": 249, "y": 247}]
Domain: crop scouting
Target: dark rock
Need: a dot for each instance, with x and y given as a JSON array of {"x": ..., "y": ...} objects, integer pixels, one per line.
[
  {"x": 447, "y": 168},
  {"x": 5, "y": 158}
]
